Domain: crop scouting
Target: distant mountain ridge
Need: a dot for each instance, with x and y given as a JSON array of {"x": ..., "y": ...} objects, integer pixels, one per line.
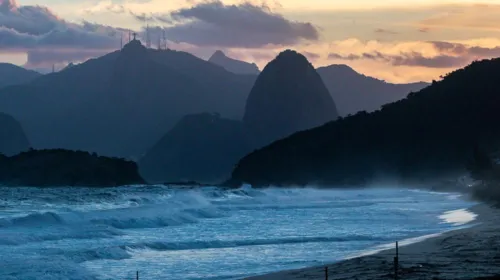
[
  {"x": 429, "y": 133},
  {"x": 354, "y": 92},
  {"x": 120, "y": 104},
  {"x": 233, "y": 65},
  {"x": 288, "y": 96},
  {"x": 11, "y": 74}
]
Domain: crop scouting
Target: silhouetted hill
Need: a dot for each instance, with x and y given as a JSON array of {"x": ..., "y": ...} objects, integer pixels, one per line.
[
  {"x": 66, "y": 168},
  {"x": 12, "y": 137},
  {"x": 233, "y": 65},
  {"x": 202, "y": 147},
  {"x": 428, "y": 133},
  {"x": 354, "y": 92},
  {"x": 120, "y": 104},
  {"x": 14, "y": 75},
  {"x": 288, "y": 96},
  {"x": 485, "y": 169}
]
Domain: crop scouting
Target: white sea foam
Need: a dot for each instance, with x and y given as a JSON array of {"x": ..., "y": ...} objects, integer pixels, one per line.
[{"x": 458, "y": 217}]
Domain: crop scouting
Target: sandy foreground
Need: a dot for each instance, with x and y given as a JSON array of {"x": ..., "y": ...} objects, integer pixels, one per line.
[{"x": 468, "y": 253}]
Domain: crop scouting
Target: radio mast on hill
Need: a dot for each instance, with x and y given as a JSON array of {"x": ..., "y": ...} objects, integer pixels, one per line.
[
  {"x": 164, "y": 39},
  {"x": 148, "y": 38}
]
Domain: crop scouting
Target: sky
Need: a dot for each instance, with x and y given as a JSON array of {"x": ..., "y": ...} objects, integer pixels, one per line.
[{"x": 397, "y": 41}]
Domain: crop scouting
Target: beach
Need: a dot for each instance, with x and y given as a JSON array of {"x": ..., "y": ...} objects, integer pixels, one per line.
[{"x": 468, "y": 253}]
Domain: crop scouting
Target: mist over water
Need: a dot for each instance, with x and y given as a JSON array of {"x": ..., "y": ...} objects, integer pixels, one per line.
[{"x": 208, "y": 233}]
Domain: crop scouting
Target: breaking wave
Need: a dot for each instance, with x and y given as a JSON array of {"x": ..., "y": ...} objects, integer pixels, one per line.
[{"x": 109, "y": 233}]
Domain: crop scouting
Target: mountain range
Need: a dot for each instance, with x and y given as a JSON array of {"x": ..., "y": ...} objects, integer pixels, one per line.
[
  {"x": 430, "y": 133},
  {"x": 233, "y": 65},
  {"x": 352, "y": 91},
  {"x": 120, "y": 104},
  {"x": 287, "y": 97}
]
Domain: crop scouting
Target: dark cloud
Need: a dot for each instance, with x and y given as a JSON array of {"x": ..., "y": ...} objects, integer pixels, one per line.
[
  {"x": 344, "y": 57},
  {"x": 215, "y": 24},
  {"x": 484, "y": 52},
  {"x": 33, "y": 20},
  {"x": 453, "y": 48},
  {"x": 35, "y": 29},
  {"x": 466, "y": 50},
  {"x": 164, "y": 19},
  {"x": 311, "y": 55},
  {"x": 417, "y": 59},
  {"x": 115, "y": 8},
  {"x": 406, "y": 59},
  {"x": 451, "y": 55},
  {"x": 385, "y": 31},
  {"x": 143, "y": 17},
  {"x": 335, "y": 56},
  {"x": 424, "y": 30}
]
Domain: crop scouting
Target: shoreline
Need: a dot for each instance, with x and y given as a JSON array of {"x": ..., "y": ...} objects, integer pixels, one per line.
[{"x": 464, "y": 253}]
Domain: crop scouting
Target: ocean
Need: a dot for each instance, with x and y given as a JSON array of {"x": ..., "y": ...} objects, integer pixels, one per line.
[{"x": 207, "y": 233}]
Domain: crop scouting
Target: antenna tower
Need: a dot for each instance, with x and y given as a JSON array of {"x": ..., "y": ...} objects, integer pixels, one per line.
[
  {"x": 148, "y": 38},
  {"x": 164, "y": 39}
]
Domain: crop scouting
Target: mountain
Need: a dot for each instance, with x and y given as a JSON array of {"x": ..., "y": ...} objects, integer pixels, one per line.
[
  {"x": 201, "y": 147},
  {"x": 12, "y": 140},
  {"x": 14, "y": 75},
  {"x": 233, "y": 65},
  {"x": 66, "y": 168},
  {"x": 288, "y": 96},
  {"x": 122, "y": 103},
  {"x": 430, "y": 133},
  {"x": 354, "y": 92}
]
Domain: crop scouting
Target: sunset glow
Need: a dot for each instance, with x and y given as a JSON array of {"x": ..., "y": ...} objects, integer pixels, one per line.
[{"x": 414, "y": 41}]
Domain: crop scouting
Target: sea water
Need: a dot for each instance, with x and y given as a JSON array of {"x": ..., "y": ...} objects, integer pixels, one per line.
[{"x": 206, "y": 233}]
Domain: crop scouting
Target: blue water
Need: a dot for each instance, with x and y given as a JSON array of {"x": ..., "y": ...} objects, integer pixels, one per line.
[{"x": 209, "y": 233}]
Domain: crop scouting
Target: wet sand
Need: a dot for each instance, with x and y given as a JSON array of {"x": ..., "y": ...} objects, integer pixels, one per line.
[{"x": 467, "y": 253}]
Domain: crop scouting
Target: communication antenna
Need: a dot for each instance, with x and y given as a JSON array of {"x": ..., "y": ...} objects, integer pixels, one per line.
[
  {"x": 148, "y": 38},
  {"x": 129, "y": 33},
  {"x": 53, "y": 68},
  {"x": 121, "y": 41},
  {"x": 164, "y": 39}
]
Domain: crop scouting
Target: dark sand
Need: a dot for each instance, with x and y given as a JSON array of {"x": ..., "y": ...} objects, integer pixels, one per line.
[{"x": 467, "y": 253}]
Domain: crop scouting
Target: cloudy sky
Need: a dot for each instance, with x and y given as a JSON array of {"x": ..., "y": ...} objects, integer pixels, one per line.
[{"x": 399, "y": 41}]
